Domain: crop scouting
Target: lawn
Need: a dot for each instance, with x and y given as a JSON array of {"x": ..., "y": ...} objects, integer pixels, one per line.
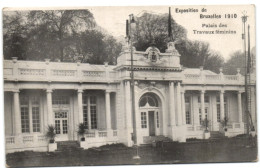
[{"x": 193, "y": 151}]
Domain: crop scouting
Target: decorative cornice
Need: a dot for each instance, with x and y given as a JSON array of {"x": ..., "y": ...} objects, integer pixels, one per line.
[{"x": 139, "y": 68}]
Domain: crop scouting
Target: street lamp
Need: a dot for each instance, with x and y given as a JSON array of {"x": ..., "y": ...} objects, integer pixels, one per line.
[
  {"x": 130, "y": 36},
  {"x": 244, "y": 20}
]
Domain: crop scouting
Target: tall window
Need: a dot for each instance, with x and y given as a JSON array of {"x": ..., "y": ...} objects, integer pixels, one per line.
[
  {"x": 157, "y": 119},
  {"x": 206, "y": 112},
  {"x": 187, "y": 108},
  {"x": 218, "y": 112},
  {"x": 143, "y": 120},
  {"x": 93, "y": 112},
  {"x": 30, "y": 113},
  {"x": 25, "y": 121},
  {"x": 200, "y": 116},
  {"x": 225, "y": 108},
  {"x": 59, "y": 100},
  {"x": 206, "y": 99},
  {"x": 148, "y": 99},
  {"x": 188, "y": 117},
  {"x": 187, "y": 99},
  {"x": 36, "y": 114},
  {"x": 90, "y": 105},
  {"x": 85, "y": 111}
]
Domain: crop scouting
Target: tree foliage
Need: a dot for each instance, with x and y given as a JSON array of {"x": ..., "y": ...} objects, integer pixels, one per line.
[
  {"x": 57, "y": 34},
  {"x": 198, "y": 53},
  {"x": 152, "y": 28},
  {"x": 237, "y": 60}
]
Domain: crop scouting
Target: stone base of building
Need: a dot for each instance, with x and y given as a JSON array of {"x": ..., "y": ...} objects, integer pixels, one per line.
[
  {"x": 52, "y": 147},
  {"x": 178, "y": 133},
  {"x": 36, "y": 149},
  {"x": 89, "y": 144}
]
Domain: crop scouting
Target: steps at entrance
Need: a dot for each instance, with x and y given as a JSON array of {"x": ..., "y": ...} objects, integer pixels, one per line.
[
  {"x": 216, "y": 135},
  {"x": 150, "y": 139},
  {"x": 68, "y": 146}
]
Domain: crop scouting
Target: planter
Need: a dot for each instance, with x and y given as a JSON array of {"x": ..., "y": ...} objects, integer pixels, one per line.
[
  {"x": 252, "y": 133},
  {"x": 226, "y": 134},
  {"x": 154, "y": 144},
  {"x": 51, "y": 141},
  {"x": 84, "y": 144},
  {"x": 206, "y": 135},
  {"x": 52, "y": 147},
  {"x": 82, "y": 139}
]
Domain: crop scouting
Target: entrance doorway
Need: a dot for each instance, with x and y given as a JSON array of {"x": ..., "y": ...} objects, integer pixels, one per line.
[
  {"x": 61, "y": 125},
  {"x": 149, "y": 108},
  {"x": 151, "y": 123}
]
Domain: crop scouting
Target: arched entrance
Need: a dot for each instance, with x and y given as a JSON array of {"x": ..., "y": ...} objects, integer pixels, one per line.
[{"x": 150, "y": 112}]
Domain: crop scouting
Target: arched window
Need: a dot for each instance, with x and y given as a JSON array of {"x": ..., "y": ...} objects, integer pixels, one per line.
[{"x": 149, "y": 99}]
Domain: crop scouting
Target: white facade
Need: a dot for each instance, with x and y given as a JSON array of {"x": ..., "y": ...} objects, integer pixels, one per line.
[{"x": 170, "y": 100}]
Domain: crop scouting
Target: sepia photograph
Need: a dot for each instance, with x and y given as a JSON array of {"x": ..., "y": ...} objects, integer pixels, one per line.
[{"x": 129, "y": 85}]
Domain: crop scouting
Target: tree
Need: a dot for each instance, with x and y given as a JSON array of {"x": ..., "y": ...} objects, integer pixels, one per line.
[
  {"x": 67, "y": 35},
  {"x": 197, "y": 53},
  {"x": 237, "y": 60},
  {"x": 113, "y": 48},
  {"x": 60, "y": 24},
  {"x": 14, "y": 35},
  {"x": 94, "y": 47},
  {"x": 154, "y": 28}
]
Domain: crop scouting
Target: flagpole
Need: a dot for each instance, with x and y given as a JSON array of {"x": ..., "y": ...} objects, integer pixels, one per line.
[
  {"x": 244, "y": 19},
  {"x": 130, "y": 33},
  {"x": 170, "y": 26}
]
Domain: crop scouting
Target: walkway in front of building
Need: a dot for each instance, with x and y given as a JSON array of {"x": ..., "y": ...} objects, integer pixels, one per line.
[{"x": 226, "y": 150}]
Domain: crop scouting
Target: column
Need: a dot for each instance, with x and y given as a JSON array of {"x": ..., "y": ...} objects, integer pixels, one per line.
[
  {"x": 239, "y": 103},
  {"x": 80, "y": 107},
  {"x": 128, "y": 107},
  {"x": 178, "y": 90},
  {"x": 17, "y": 114},
  {"x": 195, "y": 110},
  {"x": 214, "y": 114},
  {"x": 172, "y": 104},
  {"x": 222, "y": 113},
  {"x": 183, "y": 107},
  {"x": 202, "y": 104},
  {"x": 108, "y": 113},
  {"x": 49, "y": 107},
  {"x": 89, "y": 115},
  {"x": 128, "y": 111}
]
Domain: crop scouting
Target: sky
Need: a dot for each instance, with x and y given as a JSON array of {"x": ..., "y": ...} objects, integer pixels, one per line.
[
  {"x": 119, "y": 25},
  {"x": 113, "y": 20}
]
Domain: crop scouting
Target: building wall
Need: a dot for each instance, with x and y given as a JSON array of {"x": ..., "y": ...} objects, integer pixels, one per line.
[
  {"x": 8, "y": 113},
  {"x": 232, "y": 107},
  {"x": 113, "y": 111}
]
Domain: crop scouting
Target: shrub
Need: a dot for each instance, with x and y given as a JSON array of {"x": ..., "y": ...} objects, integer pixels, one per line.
[
  {"x": 81, "y": 131},
  {"x": 50, "y": 134}
]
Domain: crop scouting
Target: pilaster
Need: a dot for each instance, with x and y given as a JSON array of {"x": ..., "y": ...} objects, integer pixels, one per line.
[
  {"x": 108, "y": 112},
  {"x": 49, "y": 107},
  {"x": 80, "y": 106},
  {"x": 17, "y": 113}
]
